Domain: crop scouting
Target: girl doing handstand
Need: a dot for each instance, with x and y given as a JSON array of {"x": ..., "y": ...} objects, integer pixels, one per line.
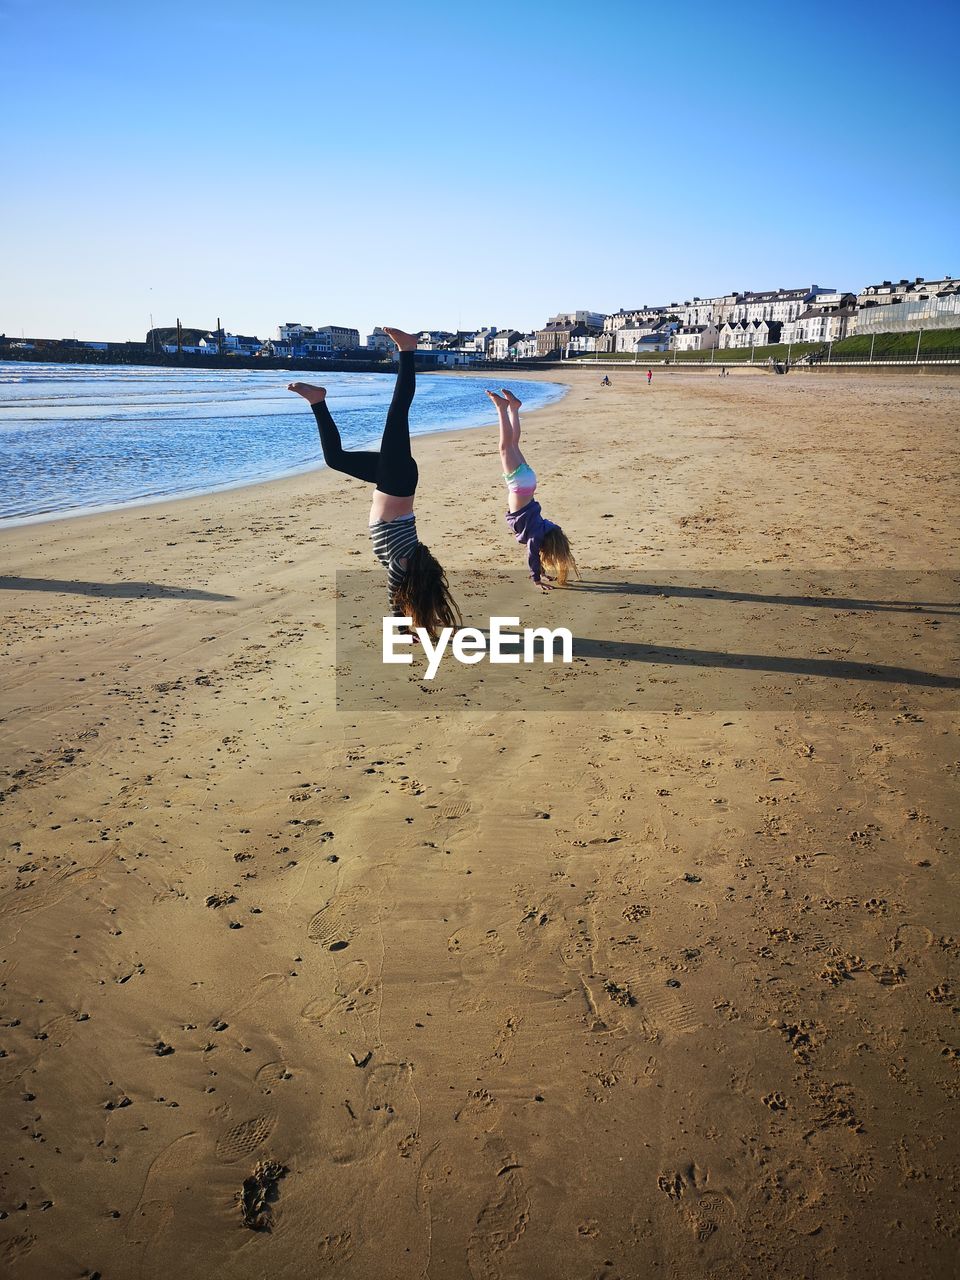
[
  {"x": 546, "y": 543},
  {"x": 417, "y": 584}
]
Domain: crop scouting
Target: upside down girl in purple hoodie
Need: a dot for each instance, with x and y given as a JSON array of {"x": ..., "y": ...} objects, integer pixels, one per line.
[{"x": 546, "y": 543}]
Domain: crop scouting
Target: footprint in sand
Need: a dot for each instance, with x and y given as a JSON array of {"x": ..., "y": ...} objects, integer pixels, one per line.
[
  {"x": 503, "y": 1045},
  {"x": 502, "y": 1220},
  {"x": 636, "y": 1066},
  {"x": 354, "y": 993},
  {"x": 660, "y": 1006},
  {"x": 577, "y": 951},
  {"x": 481, "y": 1112},
  {"x": 712, "y": 1212},
  {"x": 455, "y": 809},
  {"x": 338, "y": 922},
  {"x": 243, "y": 1138},
  {"x": 914, "y": 945},
  {"x": 703, "y": 1210},
  {"x": 478, "y": 953},
  {"x": 335, "y": 1250},
  {"x": 271, "y": 1075},
  {"x": 16, "y": 902},
  {"x": 266, "y": 985},
  {"x": 16, "y": 1247},
  {"x": 385, "y": 1119},
  {"x": 154, "y": 1209}
]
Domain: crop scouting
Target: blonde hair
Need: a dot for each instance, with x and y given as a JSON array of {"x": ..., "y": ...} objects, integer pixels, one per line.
[
  {"x": 556, "y": 556},
  {"x": 424, "y": 594}
]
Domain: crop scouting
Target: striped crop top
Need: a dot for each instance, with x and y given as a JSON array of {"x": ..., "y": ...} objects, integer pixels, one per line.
[{"x": 393, "y": 541}]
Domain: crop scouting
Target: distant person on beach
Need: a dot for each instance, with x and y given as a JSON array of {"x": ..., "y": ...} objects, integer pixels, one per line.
[
  {"x": 606, "y": 382},
  {"x": 546, "y": 543},
  {"x": 649, "y": 376},
  {"x": 417, "y": 584}
]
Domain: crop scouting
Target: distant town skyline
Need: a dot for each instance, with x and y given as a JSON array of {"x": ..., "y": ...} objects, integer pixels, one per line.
[{"x": 468, "y": 168}]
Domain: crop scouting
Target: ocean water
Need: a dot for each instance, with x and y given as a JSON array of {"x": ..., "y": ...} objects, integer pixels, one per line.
[{"x": 76, "y": 438}]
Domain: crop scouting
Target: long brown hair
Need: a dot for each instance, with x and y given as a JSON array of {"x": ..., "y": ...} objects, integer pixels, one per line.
[
  {"x": 556, "y": 555},
  {"x": 424, "y": 595}
]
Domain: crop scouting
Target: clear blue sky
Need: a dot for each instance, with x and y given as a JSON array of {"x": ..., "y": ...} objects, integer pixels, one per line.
[{"x": 447, "y": 165}]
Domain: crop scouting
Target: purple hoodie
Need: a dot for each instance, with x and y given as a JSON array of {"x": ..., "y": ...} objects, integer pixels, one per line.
[{"x": 529, "y": 527}]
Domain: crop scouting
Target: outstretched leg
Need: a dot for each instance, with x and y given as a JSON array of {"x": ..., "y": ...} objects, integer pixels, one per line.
[
  {"x": 397, "y": 471},
  {"x": 510, "y": 455},
  {"x": 359, "y": 463},
  {"x": 513, "y": 405}
]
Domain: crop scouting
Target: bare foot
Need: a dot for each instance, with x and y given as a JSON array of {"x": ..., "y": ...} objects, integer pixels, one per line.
[
  {"x": 498, "y": 400},
  {"x": 313, "y": 395},
  {"x": 404, "y": 341},
  {"x": 511, "y": 399}
]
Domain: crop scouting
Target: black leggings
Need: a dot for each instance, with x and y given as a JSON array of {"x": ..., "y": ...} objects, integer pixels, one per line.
[{"x": 393, "y": 470}]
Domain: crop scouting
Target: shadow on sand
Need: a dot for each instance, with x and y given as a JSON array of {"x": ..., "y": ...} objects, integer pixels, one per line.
[
  {"x": 110, "y": 590},
  {"x": 625, "y": 651},
  {"x": 945, "y": 608}
]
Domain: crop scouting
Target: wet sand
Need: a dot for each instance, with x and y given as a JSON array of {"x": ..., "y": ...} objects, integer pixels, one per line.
[{"x": 291, "y": 990}]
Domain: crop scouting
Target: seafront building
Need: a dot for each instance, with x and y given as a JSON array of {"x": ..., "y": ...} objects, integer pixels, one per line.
[
  {"x": 556, "y": 335},
  {"x": 645, "y": 334},
  {"x": 525, "y": 348},
  {"x": 238, "y": 344},
  {"x": 328, "y": 339},
  {"x": 380, "y": 341},
  {"x": 708, "y": 310},
  {"x": 435, "y": 340},
  {"x": 738, "y": 334},
  {"x": 733, "y": 321},
  {"x": 660, "y": 340},
  {"x": 775, "y": 304},
  {"x": 570, "y": 331},
  {"x": 503, "y": 343},
  {"x": 918, "y": 290},
  {"x": 696, "y": 337},
  {"x": 589, "y": 319},
  {"x": 908, "y": 305},
  {"x": 480, "y": 341},
  {"x": 828, "y": 321},
  {"x": 634, "y": 319}
]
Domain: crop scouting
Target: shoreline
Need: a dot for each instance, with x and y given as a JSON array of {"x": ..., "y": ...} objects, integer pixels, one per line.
[{"x": 133, "y": 504}]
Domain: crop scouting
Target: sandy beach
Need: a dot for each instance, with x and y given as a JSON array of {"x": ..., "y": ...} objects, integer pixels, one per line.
[{"x": 291, "y": 990}]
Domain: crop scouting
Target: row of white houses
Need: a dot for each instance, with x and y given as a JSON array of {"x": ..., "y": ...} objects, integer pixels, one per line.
[
  {"x": 813, "y": 314},
  {"x": 808, "y": 314},
  {"x": 827, "y": 321}
]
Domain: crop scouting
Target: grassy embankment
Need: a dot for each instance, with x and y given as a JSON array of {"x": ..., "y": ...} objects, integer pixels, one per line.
[
  {"x": 900, "y": 346},
  {"x": 886, "y": 346}
]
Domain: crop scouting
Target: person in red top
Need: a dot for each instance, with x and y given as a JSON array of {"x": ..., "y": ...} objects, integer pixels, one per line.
[{"x": 649, "y": 376}]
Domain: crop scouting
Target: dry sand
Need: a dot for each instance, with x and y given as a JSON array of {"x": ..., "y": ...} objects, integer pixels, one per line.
[{"x": 506, "y": 994}]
